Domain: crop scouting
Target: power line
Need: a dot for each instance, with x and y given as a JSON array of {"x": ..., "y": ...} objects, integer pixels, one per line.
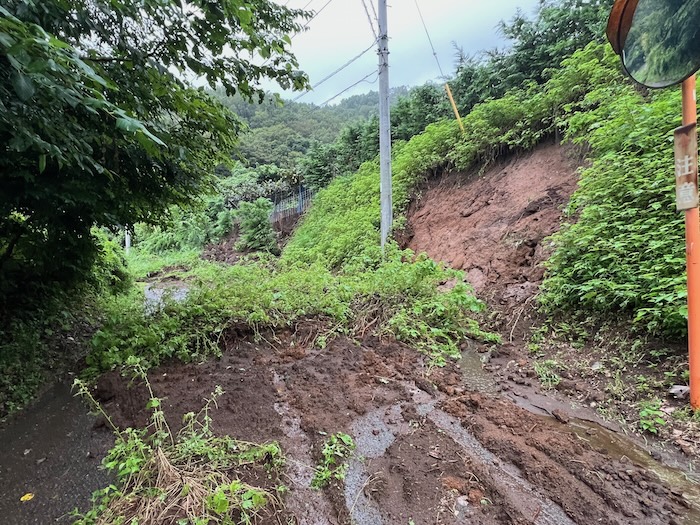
[
  {"x": 369, "y": 19},
  {"x": 429, "y": 39},
  {"x": 374, "y": 12},
  {"x": 327, "y": 77},
  {"x": 363, "y": 79},
  {"x": 316, "y": 13}
]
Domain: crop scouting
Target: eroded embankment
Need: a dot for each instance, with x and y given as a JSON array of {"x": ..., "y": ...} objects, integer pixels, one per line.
[
  {"x": 428, "y": 449},
  {"x": 492, "y": 225}
]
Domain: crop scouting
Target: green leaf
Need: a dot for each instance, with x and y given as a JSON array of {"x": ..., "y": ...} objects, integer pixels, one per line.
[{"x": 24, "y": 87}]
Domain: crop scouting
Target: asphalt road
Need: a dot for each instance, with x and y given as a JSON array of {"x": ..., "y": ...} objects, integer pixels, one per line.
[{"x": 53, "y": 451}]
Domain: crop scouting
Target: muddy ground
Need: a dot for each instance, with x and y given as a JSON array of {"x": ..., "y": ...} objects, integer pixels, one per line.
[
  {"x": 430, "y": 449},
  {"x": 478, "y": 442}
]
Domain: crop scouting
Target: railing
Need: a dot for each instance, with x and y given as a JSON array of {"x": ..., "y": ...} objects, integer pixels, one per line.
[{"x": 292, "y": 206}]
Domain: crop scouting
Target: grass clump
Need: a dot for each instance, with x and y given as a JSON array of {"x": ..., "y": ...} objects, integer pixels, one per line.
[
  {"x": 334, "y": 456},
  {"x": 399, "y": 297},
  {"x": 191, "y": 477}
]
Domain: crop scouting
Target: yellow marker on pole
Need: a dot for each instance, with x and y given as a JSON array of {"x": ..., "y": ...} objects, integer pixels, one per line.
[{"x": 454, "y": 107}]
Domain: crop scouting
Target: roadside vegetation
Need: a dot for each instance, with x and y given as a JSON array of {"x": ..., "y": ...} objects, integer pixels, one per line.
[{"x": 187, "y": 476}]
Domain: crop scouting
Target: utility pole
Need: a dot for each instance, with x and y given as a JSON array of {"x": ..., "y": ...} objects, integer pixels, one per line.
[{"x": 384, "y": 126}]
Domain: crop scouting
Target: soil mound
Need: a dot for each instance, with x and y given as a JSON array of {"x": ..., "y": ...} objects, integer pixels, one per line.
[
  {"x": 492, "y": 225},
  {"x": 428, "y": 450}
]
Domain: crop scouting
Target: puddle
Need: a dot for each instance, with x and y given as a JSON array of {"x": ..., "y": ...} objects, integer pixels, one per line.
[
  {"x": 373, "y": 433},
  {"x": 308, "y": 504},
  {"x": 473, "y": 374},
  {"x": 155, "y": 298},
  {"x": 619, "y": 447}
]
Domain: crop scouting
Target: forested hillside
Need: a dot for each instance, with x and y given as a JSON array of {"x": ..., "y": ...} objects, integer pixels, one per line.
[{"x": 280, "y": 132}]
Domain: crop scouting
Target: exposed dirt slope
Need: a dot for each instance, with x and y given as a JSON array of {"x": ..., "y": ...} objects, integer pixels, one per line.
[{"x": 491, "y": 226}]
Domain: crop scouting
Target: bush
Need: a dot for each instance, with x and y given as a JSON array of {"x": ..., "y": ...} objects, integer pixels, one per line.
[
  {"x": 256, "y": 231},
  {"x": 397, "y": 297},
  {"x": 622, "y": 249},
  {"x": 110, "y": 272}
]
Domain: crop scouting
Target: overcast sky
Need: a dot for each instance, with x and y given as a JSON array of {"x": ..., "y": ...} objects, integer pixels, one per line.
[{"x": 342, "y": 31}]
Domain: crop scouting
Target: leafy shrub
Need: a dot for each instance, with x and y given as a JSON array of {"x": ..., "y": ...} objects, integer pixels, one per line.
[
  {"x": 187, "y": 229},
  {"x": 334, "y": 455},
  {"x": 622, "y": 249},
  {"x": 256, "y": 231},
  {"x": 110, "y": 271},
  {"x": 650, "y": 416}
]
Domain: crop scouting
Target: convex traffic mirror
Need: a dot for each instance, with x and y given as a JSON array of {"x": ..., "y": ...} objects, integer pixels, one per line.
[{"x": 658, "y": 40}]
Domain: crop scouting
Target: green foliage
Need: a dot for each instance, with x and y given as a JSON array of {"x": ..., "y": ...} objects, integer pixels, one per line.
[
  {"x": 190, "y": 476},
  {"x": 256, "y": 231},
  {"x": 422, "y": 106},
  {"x": 99, "y": 127},
  {"x": 334, "y": 456},
  {"x": 625, "y": 250},
  {"x": 560, "y": 28},
  {"x": 357, "y": 143},
  {"x": 42, "y": 333},
  {"x": 650, "y": 416},
  {"x": 281, "y": 132},
  {"x": 547, "y": 373},
  {"x": 342, "y": 227},
  {"x": 395, "y": 297},
  {"x": 110, "y": 271}
]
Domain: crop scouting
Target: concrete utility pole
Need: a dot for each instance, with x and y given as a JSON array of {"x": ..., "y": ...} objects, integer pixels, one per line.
[{"x": 384, "y": 125}]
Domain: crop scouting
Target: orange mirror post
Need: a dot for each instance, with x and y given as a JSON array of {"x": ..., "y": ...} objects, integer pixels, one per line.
[{"x": 692, "y": 245}]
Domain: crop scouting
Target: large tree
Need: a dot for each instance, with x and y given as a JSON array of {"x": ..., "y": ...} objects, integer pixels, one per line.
[{"x": 100, "y": 124}]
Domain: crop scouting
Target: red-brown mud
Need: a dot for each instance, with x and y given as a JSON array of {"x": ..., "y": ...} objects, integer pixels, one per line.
[
  {"x": 423, "y": 456},
  {"x": 492, "y": 225}
]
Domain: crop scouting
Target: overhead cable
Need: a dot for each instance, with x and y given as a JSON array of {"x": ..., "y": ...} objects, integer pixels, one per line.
[
  {"x": 429, "y": 39},
  {"x": 316, "y": 13},
  {"x": 369, "y": 19},
  {"x": 327, "y": 77},
  {"x": 363, "y": 79}
]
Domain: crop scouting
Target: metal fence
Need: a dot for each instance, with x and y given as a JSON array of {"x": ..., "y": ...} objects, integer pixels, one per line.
[{"x": 292, "y": 206}]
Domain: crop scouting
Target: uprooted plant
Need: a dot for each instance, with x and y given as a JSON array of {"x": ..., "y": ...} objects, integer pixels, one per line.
[{"x": 191, "y": 477}]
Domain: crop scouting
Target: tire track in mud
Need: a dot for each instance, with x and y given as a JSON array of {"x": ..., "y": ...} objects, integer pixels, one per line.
[{"x": 428, "y": 449}]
